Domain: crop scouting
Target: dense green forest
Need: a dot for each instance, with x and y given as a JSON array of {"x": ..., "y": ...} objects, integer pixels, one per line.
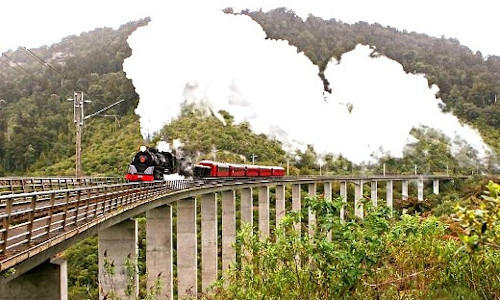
[{"x": 37, "y": 133}]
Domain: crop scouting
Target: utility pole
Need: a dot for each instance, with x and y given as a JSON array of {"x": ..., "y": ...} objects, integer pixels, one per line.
[
  {"x": 214, "y": 153},
  {"x": 79, "y": 118},
  {"x": 253, "y": 158}
]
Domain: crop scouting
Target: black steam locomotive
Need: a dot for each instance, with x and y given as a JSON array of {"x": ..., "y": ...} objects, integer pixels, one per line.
[{"x": 151, "y": 164}]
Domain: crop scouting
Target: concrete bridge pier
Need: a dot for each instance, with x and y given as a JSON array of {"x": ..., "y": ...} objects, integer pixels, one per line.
[
  {"x": 246, "y": 217},
  {"x": 48, "y": 281},
  {"x": 118, "y": 251},
  {"x": 187, "y": 265},
  {"x": 228, "y": 228},
  {"x": 296, "y": 202},
  {"x": 420, "y": 189},
  {"x": 208, "y": 240},
  {"x": 374, "y": 193},
  {"x": 343, "y": 195},
  {"x": 327, "y": 193},
  {"x": 280, "y": 203},
  {"x": 435, "y": 186},
  {"x": 159, "y": 259},
  {"x": 264, "y": 211},
  {"x": 327, "y": 190},
  {"x": 389, "y": 195},
  {"x": 310, "y": 214},
  {"x": 247, "y": 206},
  {"x": 404, "y": 190},
  {"x": 358, "y": 195}
]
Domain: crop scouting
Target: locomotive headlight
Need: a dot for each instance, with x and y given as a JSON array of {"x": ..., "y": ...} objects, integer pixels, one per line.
[{"x": 143, "y": 148}]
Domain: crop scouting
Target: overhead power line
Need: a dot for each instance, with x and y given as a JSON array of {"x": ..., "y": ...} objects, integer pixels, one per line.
[
  {"x": 18, "y": 65},
  {"x": 44, "y": 62},
  {"x": 49, "y": 66}
]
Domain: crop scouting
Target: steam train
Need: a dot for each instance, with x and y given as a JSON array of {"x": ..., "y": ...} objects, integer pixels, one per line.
[{"x": 150, "y": 164}]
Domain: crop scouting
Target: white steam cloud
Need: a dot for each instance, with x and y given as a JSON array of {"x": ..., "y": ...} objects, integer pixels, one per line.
[{"x": 225, "y": 62}]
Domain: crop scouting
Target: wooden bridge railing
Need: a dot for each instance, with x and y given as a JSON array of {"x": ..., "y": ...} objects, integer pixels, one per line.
[
  {"x": 28, "y": 218},
  {"x": 14, "y": 185}
]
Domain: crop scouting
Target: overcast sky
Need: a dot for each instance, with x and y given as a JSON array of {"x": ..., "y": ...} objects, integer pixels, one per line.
[{"x": 34, "y": 23}]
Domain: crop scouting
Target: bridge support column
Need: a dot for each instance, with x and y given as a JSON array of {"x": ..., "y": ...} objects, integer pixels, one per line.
[
  {"x": 280, "y": 203},
  {"x": 327, "y": 191},
  {"x": 389, "y": 195},
  {"x": 296, "y": 202},
  {"x": 246, "y": 218},
  {"x": 374, "y": 195},
  {"x": 47, "y": 281},
  {"x": 228, "y": 229},
  {"x": 343, "y": 194},
  {"x": 186, "y": 248},
  {"x": 118, "y": 251},
  {"x": 311, "y": 215},
  {"x": 264, "y": 211},
  {"x": 159, "y": 261},
  {"x": 435, "y": 186},
  {"x": 358, "y": 195},
  {"x": 208, "y": 240},
  {"x": 404, "y": 190},
  {"x": 247, "y": 206},
  {"x": 420, "y": 189}
]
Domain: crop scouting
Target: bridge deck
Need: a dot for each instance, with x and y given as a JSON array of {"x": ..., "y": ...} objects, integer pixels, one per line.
[{"x": 31, "y": 222}]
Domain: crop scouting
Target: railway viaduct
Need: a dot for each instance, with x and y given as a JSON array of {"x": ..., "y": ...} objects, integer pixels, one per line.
[{"x": 41, "y": 217}]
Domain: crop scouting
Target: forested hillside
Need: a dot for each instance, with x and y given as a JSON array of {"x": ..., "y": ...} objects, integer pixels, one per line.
[{"x": 37, "y": 133}]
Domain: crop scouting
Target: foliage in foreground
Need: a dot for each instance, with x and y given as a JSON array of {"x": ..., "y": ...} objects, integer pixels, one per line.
[{"x": 375, "y": 258}]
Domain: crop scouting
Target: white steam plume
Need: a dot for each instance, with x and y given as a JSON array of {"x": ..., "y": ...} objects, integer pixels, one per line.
[{"x": 225, "y": 62}]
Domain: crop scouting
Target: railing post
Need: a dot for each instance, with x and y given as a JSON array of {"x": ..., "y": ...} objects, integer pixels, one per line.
[
  {"x": 51, "y": 212},
  {"x": 77, "y": 206},
  {"x": 65, "y": 213},
  {"x": 6, "y": 224},
  {"x": 31, "y": 218}
]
